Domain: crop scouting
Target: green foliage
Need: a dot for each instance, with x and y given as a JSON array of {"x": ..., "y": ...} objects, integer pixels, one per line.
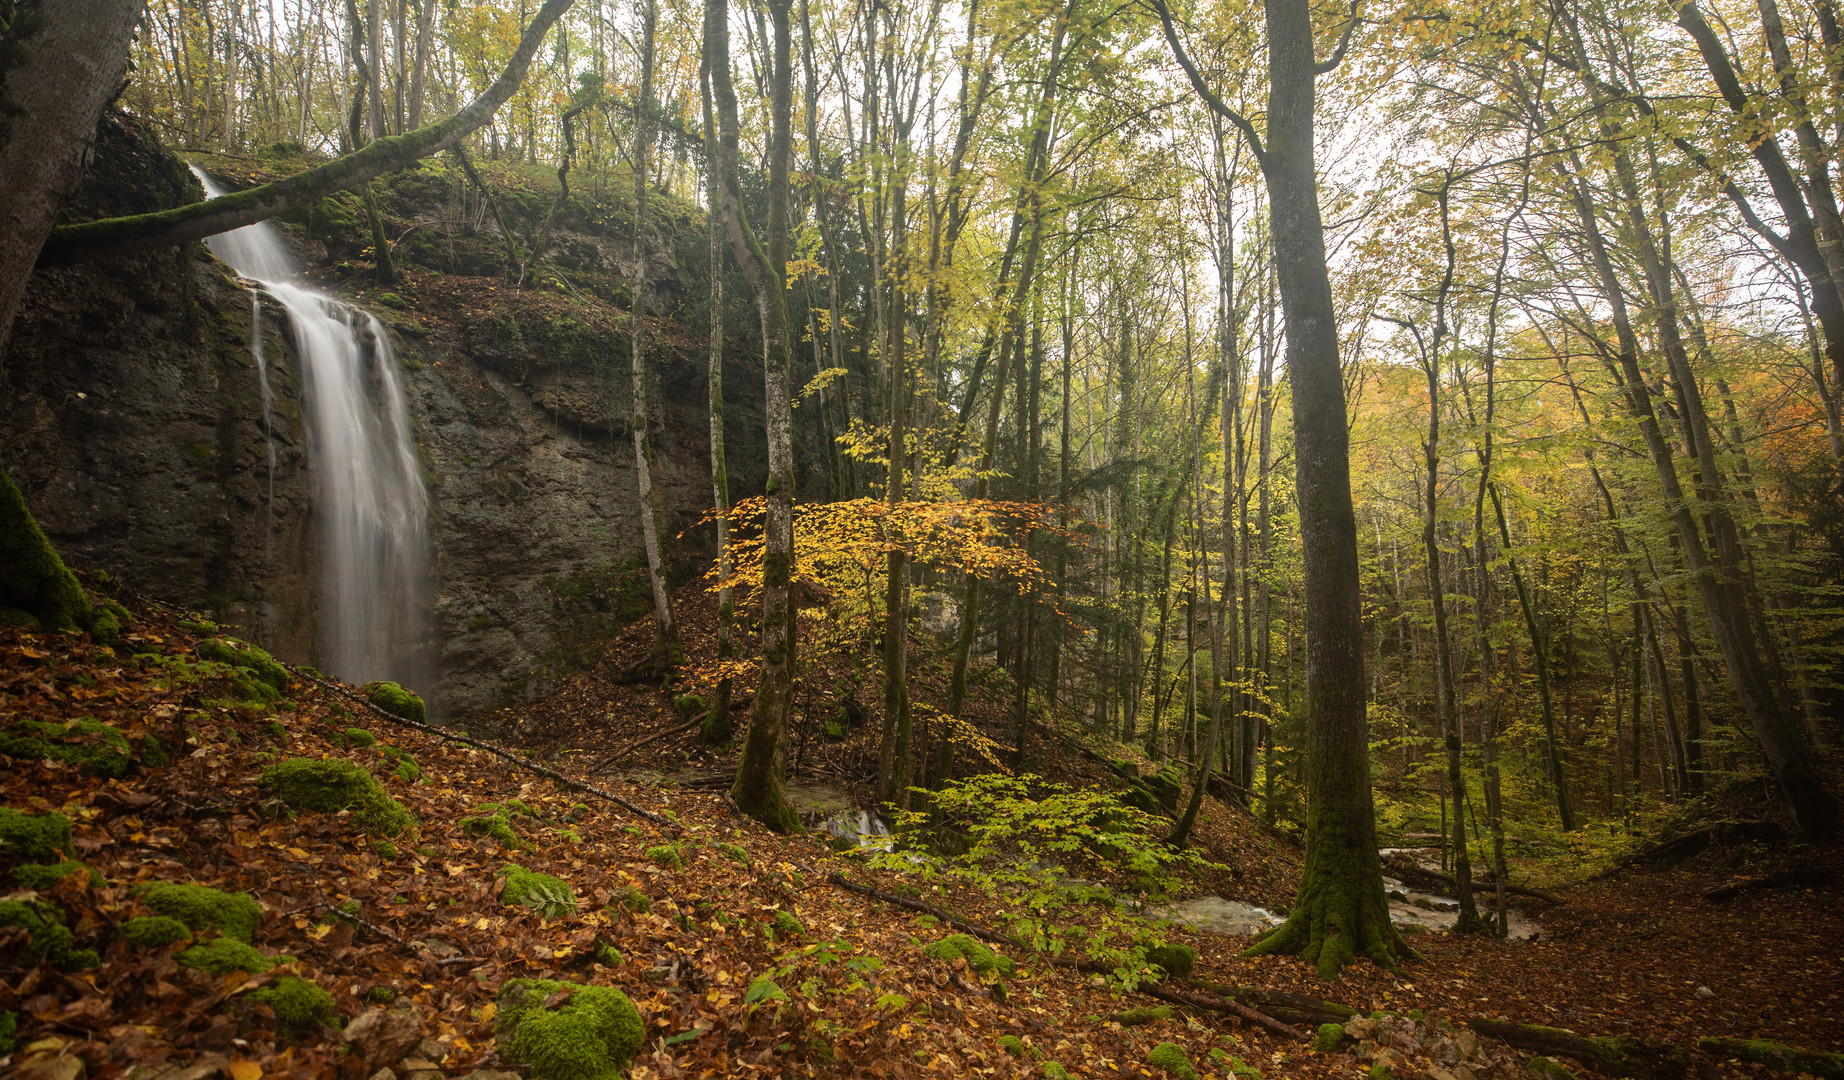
[
  {"x": 977, "y": 955},
  {"x": 551, "y": 897},
  {"x": 299, "y": 1005},
  {"x": 1171, "y": 1057},
  {"x": 156, "y": 931},
  {"x": 200, "y": 907},
  {"x": 735, "y": 853},
  {"x": 34, "y": 837},
  {"x": 42, "y": 877},
  {"x": 9, "y": 1032},
  {"x": 395, "y": 700},
  {"x": 223, "y": 955},
  {"x": 607, "y": 955},
  {"x": 49, "y": 938},
  {"x": 84, "y": 742},
  {"x": 334, "y": 784},
  {"x": 590, "y": 1033},
  {"x": 1013, "y": 827},
  {"x": 1329, "y": 1038}
]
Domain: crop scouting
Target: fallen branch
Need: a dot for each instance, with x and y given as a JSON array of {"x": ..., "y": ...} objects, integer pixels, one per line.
[
  {"x": 1297, "y": 1009},
  {"x": 1615, "y": 1055},
  {"x": 1412, "y": 873},
  {"x": 1777, "y": 879},
  {"x": 1153, "y": 990},
  {"x": 449, "y": 736}
]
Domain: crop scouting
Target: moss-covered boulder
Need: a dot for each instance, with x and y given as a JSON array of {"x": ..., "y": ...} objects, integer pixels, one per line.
[
  {"x": 43, "y": 877},
  {"x": 1329, "y": 1038},
  {"x": 966, "y": 947},
  {"x": 267, "y": 677},
  {"x": 156, "y": 932},
  {"x": 34, "y": 837},
  {"x": 590, "y": 1033},
  {"x": 494, "y": 821},
  {"x": 47, "y": 936},
  {"x": 551, "y": 897},
  {"x": 84, "y": 742},
  {"x": 1171, "y": 1057},
  {"x": 395, "y": 700},
  {"x": 200, "y": 907},
  {"x": 299, "y": 1006},
  {"x": 334, "y": 784},
  {"x": 1176, "y": 959},
  {"x": 223, "y": 955}
]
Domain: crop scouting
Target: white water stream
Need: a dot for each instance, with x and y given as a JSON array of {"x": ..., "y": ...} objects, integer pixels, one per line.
[{"x": 370, "y": 507}]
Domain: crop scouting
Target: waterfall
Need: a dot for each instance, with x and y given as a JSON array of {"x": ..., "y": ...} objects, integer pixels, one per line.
[{"x": 369, "y": 504}]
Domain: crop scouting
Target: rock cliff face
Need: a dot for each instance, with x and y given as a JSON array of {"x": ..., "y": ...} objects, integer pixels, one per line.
[{"x": 132, "y": 419}]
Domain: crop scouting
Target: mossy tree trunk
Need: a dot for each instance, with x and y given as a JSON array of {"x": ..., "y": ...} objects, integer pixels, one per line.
[{"x": 35, "y": 580}]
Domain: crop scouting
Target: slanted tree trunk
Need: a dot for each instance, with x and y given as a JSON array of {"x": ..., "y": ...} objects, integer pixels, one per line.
[{"x": 666, "y": 627}]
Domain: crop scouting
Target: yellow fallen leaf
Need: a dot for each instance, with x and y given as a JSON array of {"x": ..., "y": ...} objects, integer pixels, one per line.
[{"x": 244, "y": 1069}]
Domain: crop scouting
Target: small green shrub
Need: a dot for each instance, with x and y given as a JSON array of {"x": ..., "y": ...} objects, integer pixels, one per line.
[
  {"x": 42, "y": 877},
  {"x": 395, "y": 700},
  {"x": 223, "y": 955},
  {"x": 155, "y": 931},
  {"x": 299, "y": 1005},
  {"x": 607, "y": 955},
  {"x": 200, "y": 907},
  {"x": 84, "y": 742},
  {"x": 49, "y": 937},
  {"x": 593, "y": 1034},
  {"x": 1171, "y": 1057},
  {"x": 333, "y": 784},
  {"x": 34, "y": 837},
  {"x": 978, "y": 956},
  {"x": 551, "y": 897}
]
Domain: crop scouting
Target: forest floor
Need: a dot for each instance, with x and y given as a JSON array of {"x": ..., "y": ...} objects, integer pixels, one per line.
[{"x": 678, "y": 907}]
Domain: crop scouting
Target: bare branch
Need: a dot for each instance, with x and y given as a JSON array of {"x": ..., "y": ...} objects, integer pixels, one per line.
[{"x": 1217, "y": 104}]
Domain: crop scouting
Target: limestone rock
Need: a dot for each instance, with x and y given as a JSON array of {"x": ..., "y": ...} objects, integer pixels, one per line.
[
  {"x": 1361, "y": 1027},
  {"x": 383, "y": 1037}
]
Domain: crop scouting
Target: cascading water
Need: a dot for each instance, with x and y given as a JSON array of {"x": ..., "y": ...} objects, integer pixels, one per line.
[{"x": 370, "y": 506}]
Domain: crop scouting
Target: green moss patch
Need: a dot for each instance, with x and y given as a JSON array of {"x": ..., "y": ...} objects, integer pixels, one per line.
[
  {"x": 34, "y": 837},
  {"x": 1329, "y": 1038},
  {"x": 1136, "y": 1017},
  {"x": 592, "y": 1033},
  {"x": 48, "y": 938},
  {"x": 223, "y": 955},
  {"x": 43, "y": 877},
  {"x": 200, "y": 907},
  {"x": 549, "y": 896},
  {"x": 668, "y": 855},
  {"x": 156, "y": 932},
  {"x": 331, "y": 784},
  {"x": 395, "y": 700},
  {"x": 299, "y": 1005},
  {"x": 787, "y": 927},
  {"x": 965, "y": 947},
  {"x": 634, "y": 900},
  {"x": 84, "y": 742},
  {"x": 1171, "y": 1057},
  {"x": 258, "y": 676},
  {"x": 358, "y": 736},
  {"x": 1176, "y": 959},
  {"x": 494, "y": 820}
]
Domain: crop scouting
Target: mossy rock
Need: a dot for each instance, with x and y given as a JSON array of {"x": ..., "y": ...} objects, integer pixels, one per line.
[
  {"x": 1166, "y": 784},
  {"x": 223, "y": 955},
  {"x": 395, "y": 700},
  {"x": 634, "y": 900},
  {"x": 1329, "y": 1038},
  {"x": 84, "y": 742},
  {"x": 497, "y": 825},
  {"x": 34, "y": 837},
  {"x": 156, "y": 932},
  {"x": 358, "y": 736},
  {"x": 965, "y": 947},
  {"x": 266, "y": 677},
  {"x": 1176, "y": 959},
  {"x": 200, "y": 907},
  {"x": 1137, "y": 1017},
  {"x": 592, "y": 1033},
  {"x": 1171, "y": 1057},
  {"x": 333, "y": 784},
  {"x": 787, "y": 927},
  {"x": 1012, "y": 1045},
  {"x": 551, "y": 897},
  {"x": 43, "y": 877},
  {"x": 49, "y": 938},
  {"x": 299, "y": 1006}
]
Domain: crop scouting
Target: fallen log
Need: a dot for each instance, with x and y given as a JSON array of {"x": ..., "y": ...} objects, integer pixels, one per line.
[
  {"x": 1410, "y": 873},
  {"x": 1152, "y": 990},
  {"x": 1295, "y": 1009},
  {"x": 1778, "y": 879},
  {"x": 1614, "y": 1055},
  {"x": 1780, "y": 1058}
]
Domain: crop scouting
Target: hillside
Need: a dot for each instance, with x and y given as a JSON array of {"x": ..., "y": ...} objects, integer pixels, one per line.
[{"x": 157, "y": 759}]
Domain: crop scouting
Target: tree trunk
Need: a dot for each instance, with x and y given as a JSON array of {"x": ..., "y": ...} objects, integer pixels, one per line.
[{"x": 716, "y": 728}]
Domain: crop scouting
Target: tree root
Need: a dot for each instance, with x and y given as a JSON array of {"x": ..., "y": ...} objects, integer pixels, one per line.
[{"x": 1188, "y": 999}]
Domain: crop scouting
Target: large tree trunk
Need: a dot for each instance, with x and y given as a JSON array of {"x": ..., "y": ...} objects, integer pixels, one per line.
[
  {"x": 69, "y": 63},
  {"x": 1341, "y": 912}
]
